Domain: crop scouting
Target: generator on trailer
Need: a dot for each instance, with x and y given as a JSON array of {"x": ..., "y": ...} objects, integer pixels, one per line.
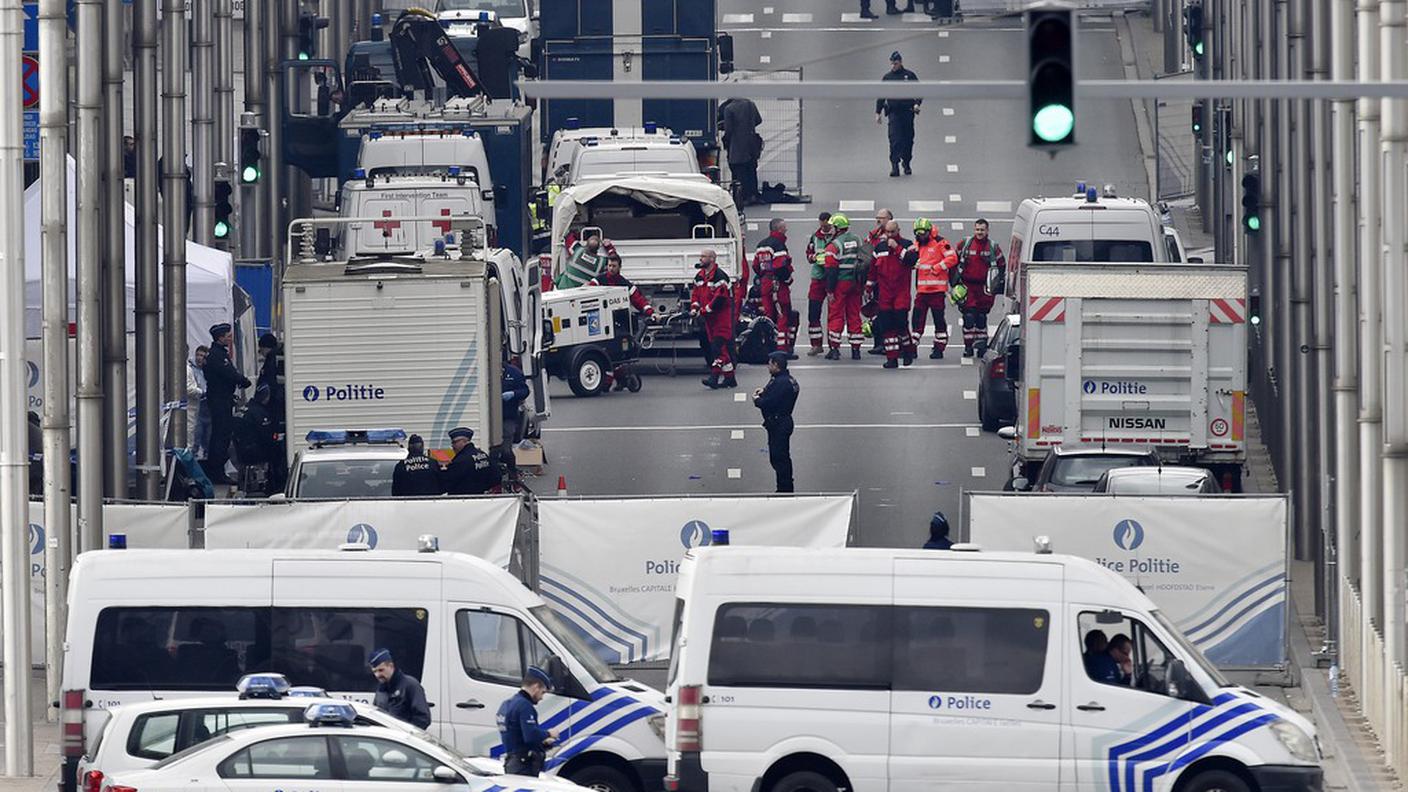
[{"x": 588, "y": 335}]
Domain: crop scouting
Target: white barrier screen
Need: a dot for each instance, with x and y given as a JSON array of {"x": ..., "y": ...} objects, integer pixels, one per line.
[
  {"x": 608, "y": 567},
  {"x": 482, "y": 527},
  {"x": 1215, "y": 566}
]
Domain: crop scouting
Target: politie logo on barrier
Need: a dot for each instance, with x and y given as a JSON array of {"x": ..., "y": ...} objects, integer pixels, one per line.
[
  {"x": 1129, "y": 534},
  {"x": 361, "y": 533},
  {"x": 310, "y": 393},
  {"x": 936, "y": 702},
  {"x": 1089, "y": 386},
  {"x": 33, "y": 373},
  {"x": 36, "y": 539},
  {"x": 696, "y": 533}
]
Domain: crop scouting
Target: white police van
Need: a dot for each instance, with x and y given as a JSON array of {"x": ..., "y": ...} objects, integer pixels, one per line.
[
  {"x": 184, "y": 623},
  {"x": 870, "y": 669}
]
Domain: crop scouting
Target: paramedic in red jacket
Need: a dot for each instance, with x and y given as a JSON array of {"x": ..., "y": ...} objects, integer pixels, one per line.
[
  {"x": 772, "y": 264},
  {"x": 711, "y": 299},
  {"x": 889, "y": 278}
]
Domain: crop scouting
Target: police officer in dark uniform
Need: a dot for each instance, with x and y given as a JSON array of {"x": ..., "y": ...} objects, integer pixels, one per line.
[
  {"x": 901, "y": 113},
  {"x": 471, "y": 471},
  {"x": 398, "y": 694},
  {"x": 222, "y": 379},
  {"x": 417, "y": 474},
  {"x": 776, "y": 400},
  {"x": 938, "y": 533},
  {"x": 525, "y": 742}
]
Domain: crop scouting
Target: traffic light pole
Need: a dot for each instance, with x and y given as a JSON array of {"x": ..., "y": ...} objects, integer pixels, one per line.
[
  {"x": 253, "y": 221},
  {"x": 203, "y": 119}
]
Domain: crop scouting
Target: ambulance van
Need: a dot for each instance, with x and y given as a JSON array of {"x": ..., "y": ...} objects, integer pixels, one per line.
[
  {"x": 908, "y": 671},
  {"x": 167, "y": 624}
]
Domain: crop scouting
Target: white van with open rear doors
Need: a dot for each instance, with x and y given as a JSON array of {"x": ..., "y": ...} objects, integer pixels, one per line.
[{"x": 923, "y": 671}]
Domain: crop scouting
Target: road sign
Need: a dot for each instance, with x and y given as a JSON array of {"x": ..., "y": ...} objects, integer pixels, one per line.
[
  {"x": 29, "y": 66},
  {"x": 31, "y": 27},
  {"x": 31, "y": 135}
]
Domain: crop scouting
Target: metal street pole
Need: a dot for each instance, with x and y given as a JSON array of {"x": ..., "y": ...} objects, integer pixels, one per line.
[
  {"x": 225, "y": 84},
  {"x": 90, "y": 248},
  {"x": 1370, "y": 330},
  {"x": 14, "y": 461},
  {"x": 203, "y": 146},
  {"x": 53, "y": 225},
  {"x": 254, "y": 204},
  {"x": 144, "y": 103},
  {"x": 114, "y": 268},
  {"x": 175, "y": 49}
]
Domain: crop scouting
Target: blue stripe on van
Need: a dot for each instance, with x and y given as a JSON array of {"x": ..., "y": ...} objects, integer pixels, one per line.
[{"x": 1192, "y": 756}]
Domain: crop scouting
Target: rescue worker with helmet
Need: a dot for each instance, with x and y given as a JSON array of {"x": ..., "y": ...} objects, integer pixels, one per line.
[
  {"x": 845, "y": 276},
  {"x": 711, "y": 299},
  {"x": 888, "y": 284},
  {"x": 976, "y": 255},
  {"x": 816, "y": 290},
  {"x": 772, "y": 263},
  {"x": 936, "y": 258}
]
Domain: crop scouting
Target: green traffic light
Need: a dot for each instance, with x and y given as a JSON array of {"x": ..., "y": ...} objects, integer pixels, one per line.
[
  {"x": 1198, "y": 49},
  {"x": 303, "y": 56},
  {"x": 250, "y": 174},
  {"x": 1229, "y": 157},
  {"x": 1054, "y": 122},
  {"x": 1253, "y": 223},
  {"x": 222, "y": 229}
]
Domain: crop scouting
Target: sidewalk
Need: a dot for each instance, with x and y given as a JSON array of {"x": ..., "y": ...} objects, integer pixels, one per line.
[{"x": 46, "y": 746}]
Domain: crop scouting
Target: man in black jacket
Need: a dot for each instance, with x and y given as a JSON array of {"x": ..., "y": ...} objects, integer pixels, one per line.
[
  {"x": 776, "y": 401},
  {"x": 417, "y": 474},
  {"x": 471, "y": 471},
  {"x": 222, "y": 380},
  {"x": 271, "y": 372},
  {"x": 901, "y": 113}
]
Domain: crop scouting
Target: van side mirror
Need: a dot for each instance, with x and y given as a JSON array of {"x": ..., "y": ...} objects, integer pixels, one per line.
[
  {"x": 1020, "y": 484},
  {"x": 444, "y": 775},
  {"x": 1195, "y": 259},
  {"x": 528, "y": 69},
  {"x": 1182, "y": 685},
  {"x": 1008, "y": 433}
]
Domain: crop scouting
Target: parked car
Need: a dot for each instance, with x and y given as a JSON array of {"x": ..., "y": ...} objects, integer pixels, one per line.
[
  {"x": 1162, "y": 480},
  {"x": 1080, "y": 469},
  {"x": 997, "y": 392}
]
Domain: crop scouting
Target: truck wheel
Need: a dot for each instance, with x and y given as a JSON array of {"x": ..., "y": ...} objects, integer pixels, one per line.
[
  {"x": 805, "y": 781},
  {"x": 588, "y": 376},
  {"x": 603, "y": 778},
  {"x": 1215, "y": 781}
]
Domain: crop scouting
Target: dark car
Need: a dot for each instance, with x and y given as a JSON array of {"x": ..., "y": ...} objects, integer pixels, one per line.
[
  {"x": 997, "y": 377},
  {"x": 1080, "y": 469}
]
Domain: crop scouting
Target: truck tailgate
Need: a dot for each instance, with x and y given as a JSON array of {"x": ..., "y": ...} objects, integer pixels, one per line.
[
  {"x": 1136, "y": 354},
  {"x": 660, "y": 261}
]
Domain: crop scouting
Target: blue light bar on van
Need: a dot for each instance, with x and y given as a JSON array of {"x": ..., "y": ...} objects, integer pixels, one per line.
[
  {"x": 262, "y": 686},
  {"x": 359, "y": 173},
  {"x": 1091, "y": 194},
  {"x": 719, "y": 537},
  {"x": 117, "y": 541},
  {"x": 650, "y": 127},
  {"x": 573, "y": 123},
  {"x": 455, "y": 170},
  {"x": 375, "y": 134},
  {"x": 1080, "y": 188},
  {"x": 330, "y": 437},
  {"x": 307, "y": 691},
  {"x": 483, "y": 16},
  {"x": 330, "y": 715}
]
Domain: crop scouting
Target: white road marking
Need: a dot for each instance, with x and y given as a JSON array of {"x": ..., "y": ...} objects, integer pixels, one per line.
[
  {"x": 901, "y": 413},
  {"x": 965, "y": 361},
  {"x": 944, "y": 59},
  {"x": 857, "y": 206},
  {"x": 994, "y": 206},
  {"x": 737, "y": 473},
  {"x": 979, "y": 472},
  {"x": 943, "y": 34},
  {"x": 853, "y": 16},
  {"x": 740, "y": 397},
  {"x": 948, "y": 111},
  {"x": 953, "y": 169},
  {"x": 950, "y": 138},
  {"x": 972, "y": 431},
  {"x": 955, "y": 197},
  {"x": 738, "y": 19},
  {"x": 765, "y": 59},
  {"x": 957, "y": 226},
  {"x": 736, "y": 434},
  {"x": 752, "y": 226},
  {"x": 970, "y": 395},
  {"x": 787, "y": 208},
  {"x": 767, "y": 9},
  {"x": 908, "y": 427},
  {"x": 801, "y": 19},
  {"x": 767, "y": 34},
  {"x": 926, "y": 206}
]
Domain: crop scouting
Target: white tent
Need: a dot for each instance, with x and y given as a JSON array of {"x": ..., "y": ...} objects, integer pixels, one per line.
[{"x": 209, "y": 272}]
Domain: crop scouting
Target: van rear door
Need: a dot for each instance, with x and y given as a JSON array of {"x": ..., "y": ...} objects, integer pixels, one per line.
[{"x": 976, "y": 700}]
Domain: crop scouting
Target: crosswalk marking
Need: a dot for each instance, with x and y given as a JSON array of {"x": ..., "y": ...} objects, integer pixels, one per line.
[
  {"x": 857, "y": 206},
  {"x": 767, "y": 9},
  {"x": 944, "y": 59},
  {"x": 767, "y": 34},
  {"x": 979, "y": 472},
  {"x": 948, "y": 111},
  {"x": 787, "y": 208},
  {"x": 972, "y": 431},
  {"x": 950, "y": 138},
  {"x": 970, "y": 395},
  {"x": 736, "y": 434},
  {"x": 926, "y": 206},
  {"x": 765, "y": 59},
  {"x": 994, "y": 206},
  {"x": 953, "y": 169},
  {"x": 943, "y": 34},
  {"x": 738, "y": 19},
  {"x": 801, "y": 19},
  {"x": 954, "y": 197},
  {"x": 737, "y": 473},
  {"x": 853, "y": 16}
]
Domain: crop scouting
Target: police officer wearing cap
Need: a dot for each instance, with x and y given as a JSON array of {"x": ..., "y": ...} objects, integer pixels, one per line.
[
  {"x": 417, "y": 474},
  {"x": 222, "y": 380},
  {"x": 398, "y": 694},
  {"x": 776, "y": 400},
  {"x": 471, "y": 471},
  {"x": 525, "y": 742},
  {"x": 901, "y": 113}
]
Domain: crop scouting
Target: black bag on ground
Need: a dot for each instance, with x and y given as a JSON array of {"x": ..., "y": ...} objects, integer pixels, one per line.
[{"x": 757, "y": 341}]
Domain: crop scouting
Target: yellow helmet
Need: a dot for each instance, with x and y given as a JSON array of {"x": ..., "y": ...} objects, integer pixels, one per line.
[{"x": 839, "y": 220}]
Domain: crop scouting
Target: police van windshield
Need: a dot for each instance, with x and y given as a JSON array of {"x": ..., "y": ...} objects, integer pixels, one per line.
[
  {"x": 1120, "y": 251},
  {"x": 1190, "y": 651},
  {"x": 360, "y": 478},
  {"x": 596, "y": 667}
]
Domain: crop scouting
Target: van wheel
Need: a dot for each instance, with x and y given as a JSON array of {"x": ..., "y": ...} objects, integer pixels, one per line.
[
  {"x": 588, "y": 374},
  {"x": 805, "y": 781},
  {"x": 1215, "y": 781},
  {"x": 603, "y": 778}
]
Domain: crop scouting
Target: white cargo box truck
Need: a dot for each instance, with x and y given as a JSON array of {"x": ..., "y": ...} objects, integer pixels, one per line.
[
  {"x": 1144, "y": 355},
  {"x": 414, "y": 344}
]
